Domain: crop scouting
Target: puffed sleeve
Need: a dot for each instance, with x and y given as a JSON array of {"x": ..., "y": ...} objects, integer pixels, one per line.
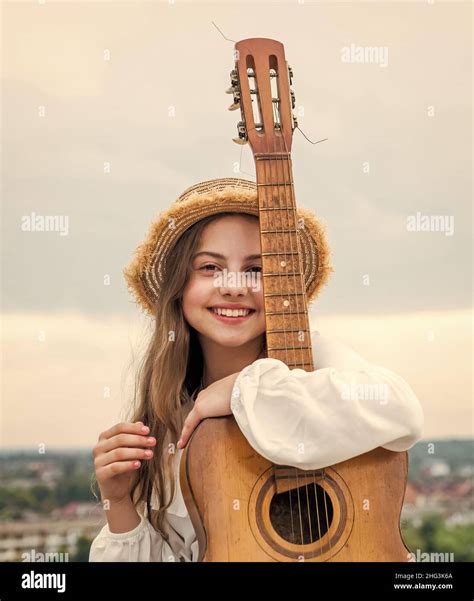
[
  {"x": 346, "y": 407},
  {"x": 143, "y": 543}
]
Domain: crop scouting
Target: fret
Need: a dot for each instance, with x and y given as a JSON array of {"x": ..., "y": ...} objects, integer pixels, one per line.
[
  {"x": 277, "y": 208},
  {"x": 278, "y": 231},
  {"x": 272, "y": 157},
  {"x": 286, "y": 252},
  {"x": 285, "y": 312},
  {"x": 277, "y": 184},
  {"x": 298, "y": 364},
  {"x": 265, "y": 275},
  {"x": 282, "y": 294},
  {"x": 286, "y": 348},
  {"x": 287, "y": 331}
]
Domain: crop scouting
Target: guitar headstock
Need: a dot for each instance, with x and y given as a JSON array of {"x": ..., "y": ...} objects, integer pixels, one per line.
[{"x": 260, "y": 84}]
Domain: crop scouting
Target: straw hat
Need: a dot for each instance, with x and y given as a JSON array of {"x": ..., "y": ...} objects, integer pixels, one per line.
[{"x": 145, "y": 273}]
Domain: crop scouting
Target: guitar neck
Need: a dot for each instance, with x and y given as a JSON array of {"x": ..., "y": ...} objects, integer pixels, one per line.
[{"x": 286, "y": 306}]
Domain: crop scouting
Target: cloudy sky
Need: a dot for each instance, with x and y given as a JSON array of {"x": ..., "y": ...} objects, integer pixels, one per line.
[{"x": 111, "y": 109}]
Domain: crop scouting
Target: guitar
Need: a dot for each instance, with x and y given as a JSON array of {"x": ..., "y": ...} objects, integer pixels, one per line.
[{"x": 242, "y": 506}]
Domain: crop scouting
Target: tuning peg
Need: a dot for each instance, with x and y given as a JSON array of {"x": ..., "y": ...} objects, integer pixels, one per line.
[
  {"x": 236, "y": 104},
  {"x": 293, "y": 99},
  {"x": 234, "y": 78},
  {"x": 290, "y": 73},
  {"x": 230, "y": 90},
  {"x": 242, "y": 139}
]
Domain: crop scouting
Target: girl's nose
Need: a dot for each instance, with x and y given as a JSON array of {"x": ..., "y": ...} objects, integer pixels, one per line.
[
  {"x": 233, "y": 290},
  {"x": 233, "y": 283}
]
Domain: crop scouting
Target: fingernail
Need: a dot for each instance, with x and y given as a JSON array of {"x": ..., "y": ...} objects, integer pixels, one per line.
[
  {"x": 145, "y": 429},
  {"x": 180, "y": 442}
]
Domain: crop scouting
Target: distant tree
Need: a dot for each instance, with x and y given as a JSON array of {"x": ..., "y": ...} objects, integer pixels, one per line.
[
  {"x": 72, "y": 489},
  {"x": 429, "y": 529},
  {"x": 412, "y": 537},
  {"x": 43, "y": 498},
  {"x": 458, "y": 540},
  {"x": 82, "y": 550},
  {"x": 434, "y": 537}
]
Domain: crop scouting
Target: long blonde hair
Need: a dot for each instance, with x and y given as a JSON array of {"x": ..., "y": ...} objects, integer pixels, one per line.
[{"x": 170, "y": 372}]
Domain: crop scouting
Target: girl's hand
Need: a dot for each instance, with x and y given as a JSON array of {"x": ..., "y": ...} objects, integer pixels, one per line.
[
  {"x": 213, "y": 401},
  {"x": 117, "y": 456}
]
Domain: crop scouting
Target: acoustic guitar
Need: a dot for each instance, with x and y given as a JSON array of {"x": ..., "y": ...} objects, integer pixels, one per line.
[{"x": 242, "y": 506}]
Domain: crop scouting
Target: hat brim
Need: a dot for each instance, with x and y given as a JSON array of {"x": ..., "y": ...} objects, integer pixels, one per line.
[{"x": 146, "y": 272}]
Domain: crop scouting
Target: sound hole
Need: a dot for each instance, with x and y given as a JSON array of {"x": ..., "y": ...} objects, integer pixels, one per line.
[{"x": 302, "y": 515}]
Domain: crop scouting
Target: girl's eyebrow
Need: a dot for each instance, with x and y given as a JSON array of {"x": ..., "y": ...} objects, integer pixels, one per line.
[{"x": 219, "y": 256}]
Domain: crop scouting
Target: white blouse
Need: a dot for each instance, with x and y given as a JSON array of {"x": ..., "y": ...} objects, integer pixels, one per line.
[{"x": 309, "y": 420}]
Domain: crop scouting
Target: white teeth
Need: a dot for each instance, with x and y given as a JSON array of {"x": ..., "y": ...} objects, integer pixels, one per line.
[{"x": 231, "y": 312}]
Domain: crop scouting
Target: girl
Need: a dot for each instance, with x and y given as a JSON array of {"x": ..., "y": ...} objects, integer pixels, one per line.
[{"x": 207, "y": 358}]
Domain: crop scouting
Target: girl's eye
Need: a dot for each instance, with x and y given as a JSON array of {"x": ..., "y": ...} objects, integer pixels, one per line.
[
  {"x": 210, "y": 267},
  {"x": 205, "y": 267}
]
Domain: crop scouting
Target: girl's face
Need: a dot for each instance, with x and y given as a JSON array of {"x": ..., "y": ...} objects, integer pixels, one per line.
[{"x": 226, "y": 273}]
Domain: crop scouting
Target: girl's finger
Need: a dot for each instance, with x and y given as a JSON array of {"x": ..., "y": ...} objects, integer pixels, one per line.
[
  {"x": 189, "y": 425},
  {"x": 126, "y": 427},
  {"x": 122, "y": 454},
  {"x": 125, "y": 440},
  {"x": 113, "y": 469}
]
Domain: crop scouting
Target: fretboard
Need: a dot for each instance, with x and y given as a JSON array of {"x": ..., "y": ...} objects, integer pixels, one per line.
[{"x": 286, "y": 307}]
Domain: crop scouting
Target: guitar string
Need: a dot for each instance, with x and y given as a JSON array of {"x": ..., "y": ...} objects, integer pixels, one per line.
[
  {"x": 303, "y": 288},
  {"x": 271, "y": 218},
  {"x": 291, "y": 221},
  {"x": 323, "y": 472}
]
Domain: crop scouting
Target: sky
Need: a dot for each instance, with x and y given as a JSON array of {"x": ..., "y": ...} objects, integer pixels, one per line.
[{"x": 111, "y": 109}]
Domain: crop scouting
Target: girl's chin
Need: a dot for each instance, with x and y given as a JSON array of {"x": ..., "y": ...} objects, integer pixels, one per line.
[{"x": 233, "y": 342}]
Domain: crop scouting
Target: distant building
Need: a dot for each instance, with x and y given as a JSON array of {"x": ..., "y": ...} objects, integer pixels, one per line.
[{"x": 56, "y": 535}]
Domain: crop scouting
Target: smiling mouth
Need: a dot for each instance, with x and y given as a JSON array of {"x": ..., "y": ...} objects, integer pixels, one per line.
[{"x": 232, "y": 313}]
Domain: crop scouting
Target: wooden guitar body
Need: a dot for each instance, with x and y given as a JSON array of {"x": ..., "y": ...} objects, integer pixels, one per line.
[{"x": 231, "y": 493}]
